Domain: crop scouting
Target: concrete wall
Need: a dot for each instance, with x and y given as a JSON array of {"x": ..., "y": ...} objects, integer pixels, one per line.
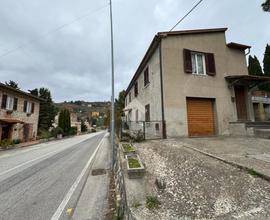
[
  {"x": 17, "y": 132},
  {"x": 150, "y": 94},
  {"x": 178, "y": 85}
]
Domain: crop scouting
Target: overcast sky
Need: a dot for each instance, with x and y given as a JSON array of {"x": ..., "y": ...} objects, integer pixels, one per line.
[{"x": 74, "y": 62}]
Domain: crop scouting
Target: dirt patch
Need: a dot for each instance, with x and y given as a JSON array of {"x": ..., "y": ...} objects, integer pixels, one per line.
[{"x": 199, "y": 187}]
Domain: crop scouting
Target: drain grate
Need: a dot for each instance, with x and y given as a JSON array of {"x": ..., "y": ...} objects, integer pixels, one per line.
[{"x": 98, "y": 172}]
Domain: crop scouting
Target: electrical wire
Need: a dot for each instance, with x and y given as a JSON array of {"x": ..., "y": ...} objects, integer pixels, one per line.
[
  {"x": 53, "y": 31},
  {"x": 186, "y": 15}
]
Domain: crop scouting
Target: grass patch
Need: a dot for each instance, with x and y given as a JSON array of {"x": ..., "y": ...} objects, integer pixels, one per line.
[
  {"x": 254, "y": 173},
  {"x": 136, "y": 204},
  {"x": 128, "y": 148},
  {"x": 152, "y": 202},
  {"x": 133, "y": 163}
]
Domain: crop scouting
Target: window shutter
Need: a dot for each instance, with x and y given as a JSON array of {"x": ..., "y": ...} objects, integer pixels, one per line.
[
  {"x": 24, "y": 106},
  {"x": 210, "y": 64},
  {"x": 15, "y": 104},
  {"x": 33, "y": 108},
  {"x": 4, "y": 102},
  {"x": 187, "y": 61}
]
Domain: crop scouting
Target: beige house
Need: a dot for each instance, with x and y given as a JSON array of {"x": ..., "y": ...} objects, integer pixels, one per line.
[
  {"x": 18, "y": 115},
  {"x": 192, "y": 83}
]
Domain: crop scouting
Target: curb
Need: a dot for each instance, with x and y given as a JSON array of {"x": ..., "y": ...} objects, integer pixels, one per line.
[{"x": 237, "y": 165}]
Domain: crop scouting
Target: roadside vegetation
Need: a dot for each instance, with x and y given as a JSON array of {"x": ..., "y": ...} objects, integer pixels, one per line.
[
  {"x": 133, "y": 163},
  {"x": 128, "y": 148},
  {"x": 152, "y": 202}
]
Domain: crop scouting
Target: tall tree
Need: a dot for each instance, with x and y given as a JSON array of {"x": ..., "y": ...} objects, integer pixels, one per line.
[
  {"x": 266, "y": 6},
  {"x": 266, "y": 61},
  {"x": 34, "y": 92},
  {"x": 47, "y": 110},
  {"x": 64, "y": 121},
  {"x": 12, "y": 84},
  {"x": 120, "y": 102},
  {"x": 254, "y": 67}
]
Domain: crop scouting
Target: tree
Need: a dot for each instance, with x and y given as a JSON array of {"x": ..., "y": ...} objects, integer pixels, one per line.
[
  {"x": 34, "y": 92},
  {"x": 64, "y": 121},
  {"x": 83, "y": 126},
  {"x": 120, "y": 102},
  {"x": 12, "y": 84},
  {"x": 47, "y": 110},
  {"x": 266, "y": 6},
  {"x": 254, "y": 66},
  {"x": 266, "y": 61}
]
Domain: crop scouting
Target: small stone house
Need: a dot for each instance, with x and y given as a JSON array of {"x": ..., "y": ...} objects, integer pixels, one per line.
[
  {"x": 192, "y": 83},
  {"x": 19, "y": 114}
]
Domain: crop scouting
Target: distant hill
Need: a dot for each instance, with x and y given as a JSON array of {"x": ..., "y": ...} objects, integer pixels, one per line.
[{"x": 85, "y": 110}]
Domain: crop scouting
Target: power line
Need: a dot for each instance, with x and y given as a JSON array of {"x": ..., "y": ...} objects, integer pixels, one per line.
[
  {"x": 53, "y": 31},
  {"x": 186, "y": 15}
]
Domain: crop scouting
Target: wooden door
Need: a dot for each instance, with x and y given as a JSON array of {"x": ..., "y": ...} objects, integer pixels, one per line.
[
  {"x": 201, "y": 120},
  {"x": 241, "y": 105}
]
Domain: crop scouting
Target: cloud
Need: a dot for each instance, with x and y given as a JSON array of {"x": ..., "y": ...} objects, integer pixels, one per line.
[{"x": 74, "y": 63}]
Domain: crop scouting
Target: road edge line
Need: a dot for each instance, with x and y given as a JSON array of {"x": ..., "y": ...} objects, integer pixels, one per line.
[{"x": 72, "y": 189}]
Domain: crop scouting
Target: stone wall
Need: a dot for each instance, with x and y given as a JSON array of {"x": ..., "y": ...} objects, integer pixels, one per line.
[{"x": 32, "y": 118}]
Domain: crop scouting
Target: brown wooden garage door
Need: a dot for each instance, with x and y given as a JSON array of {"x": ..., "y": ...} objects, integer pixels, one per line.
[{"x": 200, "y": 117}]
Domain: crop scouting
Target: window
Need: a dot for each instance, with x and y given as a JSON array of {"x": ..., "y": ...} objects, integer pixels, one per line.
[
  {"x": 9, "y": 103},
  {"x": 137, "y": 115},
  {"x": 129, "y": 97},
  {"x": 146, "y": 77},
  {"x": 28, "y": 107},
  {"x": 147, "y": 113},
  {"x": 136, "y": 89},
  {"x": 198, "y": 64}
]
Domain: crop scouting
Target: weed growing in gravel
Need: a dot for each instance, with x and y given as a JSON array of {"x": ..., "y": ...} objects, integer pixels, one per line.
[
  {"x": 254, "y": 173},
  {"x": 152, "y": 202}
]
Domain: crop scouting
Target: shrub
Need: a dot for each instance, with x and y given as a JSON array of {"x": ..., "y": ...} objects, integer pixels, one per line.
[
  {"x": 138, "y": 136},
  {"x": 16, "y": 141},
  {"x": 56, "y": 131},
  {"x": 72, "y": 131},
  {"x": 6, "y": 143},
  {"x": 44, "y": 134},
  {"x": 152, "y": 202}
]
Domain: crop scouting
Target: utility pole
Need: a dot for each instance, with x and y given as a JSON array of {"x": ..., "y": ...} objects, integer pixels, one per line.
[{"x": 112, "y": 97}]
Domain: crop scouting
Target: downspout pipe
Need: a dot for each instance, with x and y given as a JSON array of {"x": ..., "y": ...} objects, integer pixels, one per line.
[{"x": 164, "y": 132}]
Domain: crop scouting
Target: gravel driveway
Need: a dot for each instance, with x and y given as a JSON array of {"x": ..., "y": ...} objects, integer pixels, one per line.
[{"x": 197, "y": 186}]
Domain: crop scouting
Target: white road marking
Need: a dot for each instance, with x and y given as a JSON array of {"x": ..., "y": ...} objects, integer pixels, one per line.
[
  {"x": 72, "y": 189},
  {"x": 25, "y": 163},
  {"x": 31, "y": 161}
]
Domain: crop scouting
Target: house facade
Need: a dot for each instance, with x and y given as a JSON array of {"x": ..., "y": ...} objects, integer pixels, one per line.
[
  {"x": 19, "y": 114},
  {"x": 192, "y": 83}
]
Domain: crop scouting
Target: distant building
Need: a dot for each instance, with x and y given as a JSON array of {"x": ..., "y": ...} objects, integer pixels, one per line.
[{"x": 18, "y": 115}]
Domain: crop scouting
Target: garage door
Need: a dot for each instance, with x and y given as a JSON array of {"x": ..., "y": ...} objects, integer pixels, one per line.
[{"x": 200, "y": 117}]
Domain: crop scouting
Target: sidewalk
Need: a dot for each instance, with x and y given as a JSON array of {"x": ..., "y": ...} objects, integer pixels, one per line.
[
  {"x": 93, "y": 200},
  {"x": 252, "y": 154}
]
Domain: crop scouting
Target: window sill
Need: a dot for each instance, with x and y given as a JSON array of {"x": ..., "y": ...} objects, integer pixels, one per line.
[
  {"x": 9, "y": 111},
  {"x": 199, "y": 75},
  {"x": 28, "y": 114}
]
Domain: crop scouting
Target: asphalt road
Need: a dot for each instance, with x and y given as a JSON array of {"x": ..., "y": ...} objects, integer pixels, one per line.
[{"x": 46, "y": 180}]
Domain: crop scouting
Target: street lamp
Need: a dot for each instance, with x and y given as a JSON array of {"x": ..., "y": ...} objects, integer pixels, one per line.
[{"x": 112, "y": 97}]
